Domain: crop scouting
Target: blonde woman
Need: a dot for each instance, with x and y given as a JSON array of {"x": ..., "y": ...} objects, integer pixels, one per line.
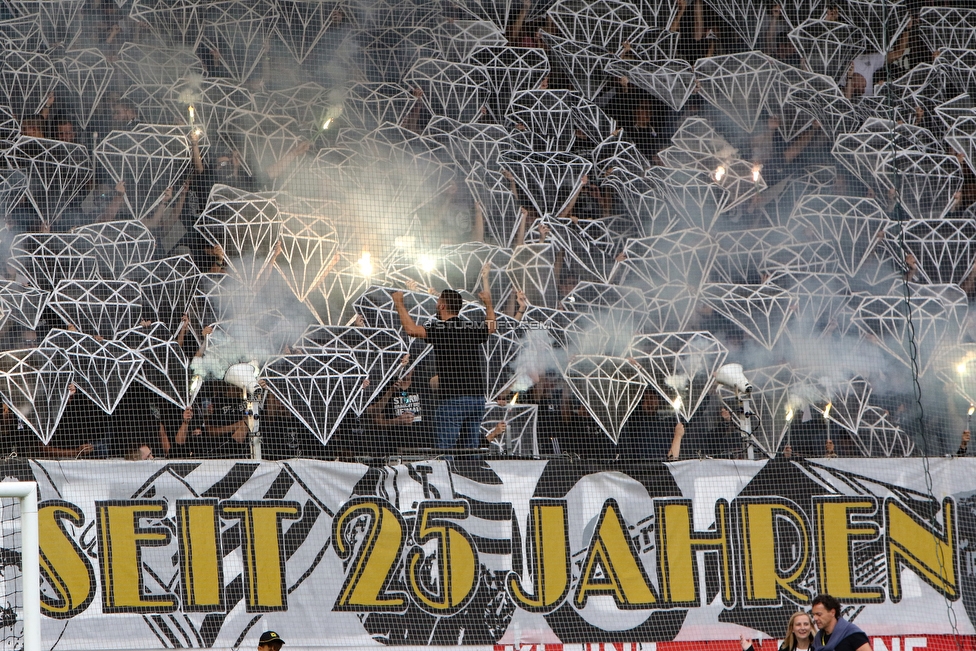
[{"x": 799, "y": 634}]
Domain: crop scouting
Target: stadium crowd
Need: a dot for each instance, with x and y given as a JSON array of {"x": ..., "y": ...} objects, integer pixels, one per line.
[{"x": 550, "y": 144}]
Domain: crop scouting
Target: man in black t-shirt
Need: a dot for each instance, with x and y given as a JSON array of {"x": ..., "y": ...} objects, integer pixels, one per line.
[
  {"x": 834, "y": 632},
  {"x": 460, "y": 361}
]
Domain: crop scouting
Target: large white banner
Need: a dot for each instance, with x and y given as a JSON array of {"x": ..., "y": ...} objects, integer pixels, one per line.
[{"x": 148, "y": 555}]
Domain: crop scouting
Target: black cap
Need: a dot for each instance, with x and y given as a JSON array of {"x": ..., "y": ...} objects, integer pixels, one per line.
[{"x": 270, "y": 636}]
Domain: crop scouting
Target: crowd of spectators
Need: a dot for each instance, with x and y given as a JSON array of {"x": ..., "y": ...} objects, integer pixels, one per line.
[{"x": 405, "y": 415}]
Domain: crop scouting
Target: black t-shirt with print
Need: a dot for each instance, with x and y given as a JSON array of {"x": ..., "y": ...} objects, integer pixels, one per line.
[{"x": 459, "y": 356}]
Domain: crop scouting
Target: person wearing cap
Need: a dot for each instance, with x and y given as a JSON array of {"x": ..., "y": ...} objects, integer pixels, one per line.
[{"x": 270, "y": 641}]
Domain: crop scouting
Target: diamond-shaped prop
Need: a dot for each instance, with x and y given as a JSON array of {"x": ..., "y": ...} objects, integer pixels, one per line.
[
  {"x": 22, "y": 304},
  {"x": 209, "y": 103},
  {"x": 48, "y": 258},
  {"x": 88, "y": 74},
  {"x": 547, "y": 117},
  {"x": 26, "y": 80},
  {"x": 318, "y": 389},
  {"x": 680, "y": 366},
  {"x": 471, "y": 144},
  {"x": 671, "y": 81},
  {"x": 792, "y": 121},
  {"x": 612, "y": 312},
  {"x": 350, "y": 276},
  {"x": 162, "y": 66},
  {"x": 376, "y": 307},
  {"x": 459, "y": 39},
  {"x": 684, "y": 256},
  {"x": 386, "y": 54},
  {"x": 263, "y": 140},
  {"x": 878, "y": 436},
  {"x": 741, "y": 254},
  {"x": 549, "y": 179},
  {"x": 34, "y": 384},
  {"x": 531, "y": 271},
  {"x": 103, "y": 369},
  {"x": 58, "y": 171},
  {"x": 761, "y": 311},
  {"x": 942, "y": 248},
  {"x": 166, "y": 371},
  {"x": 309, "y": 246},
  {"x": 853, "y": 226},
  {"x": 747, "y": 17},
  {"x": 303, "y": 23},
  {"x": 585, "y": 65},
  {"x": 462, "y": 266},
  {"x": 456, "y": 90},
  {"x": 378, "y": 352},
  {"x": 650, "y": 214},
  {"x": 246, "y": 225},
  {"x": 498, "y": 204},
  {"x": 820, "y": 299},
  {"x": 240, "y": 32},
  {"x": 181, "y": 21},
  {"x": 819, "y": 97},
  {"x": 828, "y": 47},
  {"x": 692, "y": 194},
  {"x": 369, "y": 105},
  {"x": 947, "y": 28},
  {"x": 927, "y": 183},
  {"x": 99, "y": 307},
  {"x": 883, "y": 320},
  {"x": 147, "y": 163},
  {"x": 167, "y": 287},
  {"x": 120, "y": 243},
  {"x": 21, "y": 32},
  {"x": 520, "y": 438},
  {"x": 13, "y": 187},
  {"x": 609, "y": 387},
  {"x": 608, "y": 24},
  {"x": 881, "y": 22},
  {"x": 510, "y": 70}
]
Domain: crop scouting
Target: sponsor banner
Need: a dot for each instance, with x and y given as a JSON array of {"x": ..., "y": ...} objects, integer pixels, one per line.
[{"x": 502, "y": 553}]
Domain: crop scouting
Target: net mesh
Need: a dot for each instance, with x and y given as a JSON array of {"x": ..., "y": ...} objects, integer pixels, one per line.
[
  {"x": 458, "y": 296},
  {"x": 11, "y": 585}
]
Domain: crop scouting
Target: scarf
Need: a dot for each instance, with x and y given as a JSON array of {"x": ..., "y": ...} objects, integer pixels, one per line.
[{"x": 842, "y": 629}]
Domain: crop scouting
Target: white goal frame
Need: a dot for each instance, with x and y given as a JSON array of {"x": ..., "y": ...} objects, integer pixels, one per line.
[{"x": 26, "y": 492}]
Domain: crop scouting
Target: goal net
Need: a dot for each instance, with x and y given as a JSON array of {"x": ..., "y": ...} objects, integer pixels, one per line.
[{"x": 19, "y": 576}]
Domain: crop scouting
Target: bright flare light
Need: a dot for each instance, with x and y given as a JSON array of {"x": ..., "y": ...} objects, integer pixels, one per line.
[
  {"x": 327, "y": 124},
  {"x": 827, "y": 410},
  {"x": 972, "y": 408},
  {"x": 193, "y": 113},
  {"x": 755, "y": 173},
  {"x": 961, "y": 368},
  {"x": 365, "y": 263},
  {"x": 719, "y": 173},
  {"x": 677, "y": 403},
  {"x": 426, "y": 263},
  {"x": 514, "y": 398},
  {"x": 789, "y": 414}
]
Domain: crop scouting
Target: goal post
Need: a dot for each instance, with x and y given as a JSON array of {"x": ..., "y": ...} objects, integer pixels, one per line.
[{"x": 26, "y": 492}]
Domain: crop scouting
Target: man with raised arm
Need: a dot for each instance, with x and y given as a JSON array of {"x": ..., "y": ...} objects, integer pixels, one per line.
[
  {"x": 460, "y": 363},
  {"x": 834, "y": 633}
]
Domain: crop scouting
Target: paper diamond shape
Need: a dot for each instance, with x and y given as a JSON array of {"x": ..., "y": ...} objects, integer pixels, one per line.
[
  {"x": 34, "y": 384},
  {"x": 680, "y": 366},
  {"x": 166, "y": 371},
  {"x": 761, "y": 311},
  {"x": 103, "y": 370},
  {"x": 609, "y": 387},
  {"x": 318, "y": 389},
  {"x": 102, "y": 307}
]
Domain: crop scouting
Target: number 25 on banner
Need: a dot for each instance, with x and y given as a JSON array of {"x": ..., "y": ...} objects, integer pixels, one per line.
[{"x": 381, "y": 532}]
